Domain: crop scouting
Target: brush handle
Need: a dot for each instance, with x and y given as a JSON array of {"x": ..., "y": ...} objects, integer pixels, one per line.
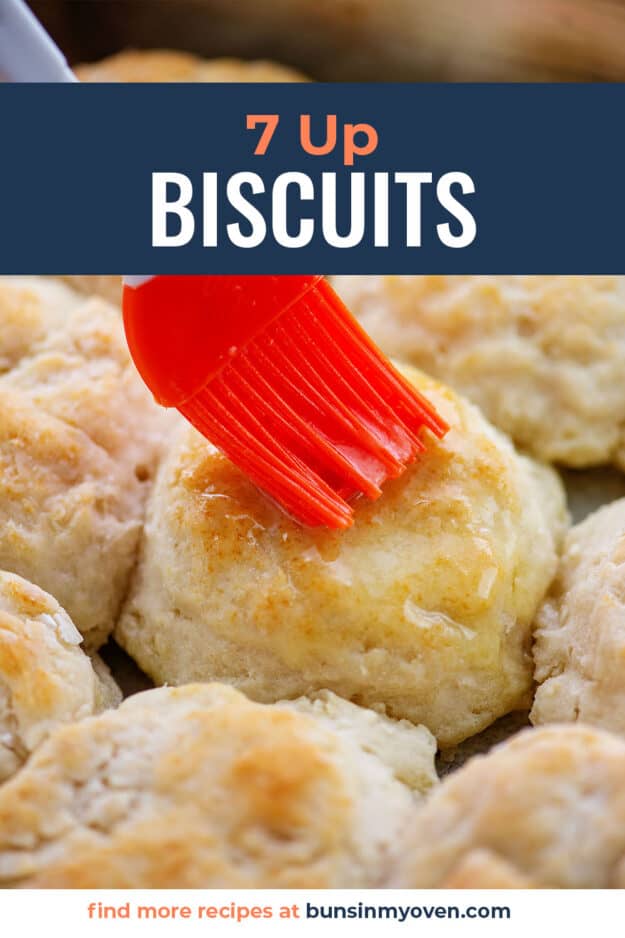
[{"x": 27, "y": 53}]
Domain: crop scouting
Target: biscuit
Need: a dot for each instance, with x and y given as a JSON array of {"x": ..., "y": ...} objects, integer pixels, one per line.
[
  {"x": 548, "y": 806},
  {"x": 580, "y": 632},
  {"x": 169, "y": 66},
  {"x": 197, "y": 787},
  {"x": 542, "y": 356},
  {"x": 79, "y": 441},
  {"x": 108, "y": 287},
  {"x": 422, "y": 609},
  {"x": 45, "y": 678}
]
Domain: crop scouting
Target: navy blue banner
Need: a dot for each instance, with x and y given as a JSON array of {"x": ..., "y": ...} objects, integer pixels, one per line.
[{"x": 368, "y": 178}]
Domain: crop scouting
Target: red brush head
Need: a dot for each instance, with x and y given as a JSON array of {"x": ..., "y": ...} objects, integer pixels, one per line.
[
  {"x": 277, "y": 373},
  {"x": 182, "y": 331}
]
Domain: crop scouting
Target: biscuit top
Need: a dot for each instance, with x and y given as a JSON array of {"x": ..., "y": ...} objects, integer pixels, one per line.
[
  {"x": 548, "y": 806},
  {"x": 166, "y": 66},
  {"x": 198, "y": 787},
  {"x": 67, "y": 354},
  {"x": 408, "y": 750},
  {"x": 79, "y": 440},
  {"x": 109, "y": 287},
  {"x": 45, "y": 678},
  {"x": 433, "y": 588},
  {"x": 543, "y": 356}
]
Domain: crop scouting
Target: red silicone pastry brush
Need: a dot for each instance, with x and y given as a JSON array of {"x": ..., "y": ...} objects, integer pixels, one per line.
[{"x": 278, "y": 375}]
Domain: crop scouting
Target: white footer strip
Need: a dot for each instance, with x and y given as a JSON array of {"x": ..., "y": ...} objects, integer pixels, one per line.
[{"x": 265, "y": 913}]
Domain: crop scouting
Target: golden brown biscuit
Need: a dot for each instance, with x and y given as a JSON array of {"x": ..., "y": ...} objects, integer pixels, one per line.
[
  {"x": 164, "y": 65},
  {"x": 549, "y": 805},
  {"x": 79, "y": 440},
  {"x": 197, "y": 787},
  {"x": 580, "y": 634},
  {"x": 45, "y": 678},
  {"x": 542, "y": 356},
  {"x": 422, "y": 609}
]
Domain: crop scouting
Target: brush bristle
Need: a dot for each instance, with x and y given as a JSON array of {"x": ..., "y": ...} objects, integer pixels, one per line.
[{"x": 313, "y": 413}]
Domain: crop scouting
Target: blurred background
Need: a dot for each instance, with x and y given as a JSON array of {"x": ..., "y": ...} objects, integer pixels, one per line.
[{"x": 362, "y": 40}]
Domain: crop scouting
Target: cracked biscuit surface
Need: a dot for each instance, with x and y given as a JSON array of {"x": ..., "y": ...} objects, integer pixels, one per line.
[
  {"x": 422, "y": 609},
  {"x": 79, "y": 440},
  {"x": 579, "y": 646},
  {"x": 197, "y": 787},
  {"x": 542, "y": 356},
  {"x": 545, "y": 809},
  {"x": 45, "y": 677}
]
